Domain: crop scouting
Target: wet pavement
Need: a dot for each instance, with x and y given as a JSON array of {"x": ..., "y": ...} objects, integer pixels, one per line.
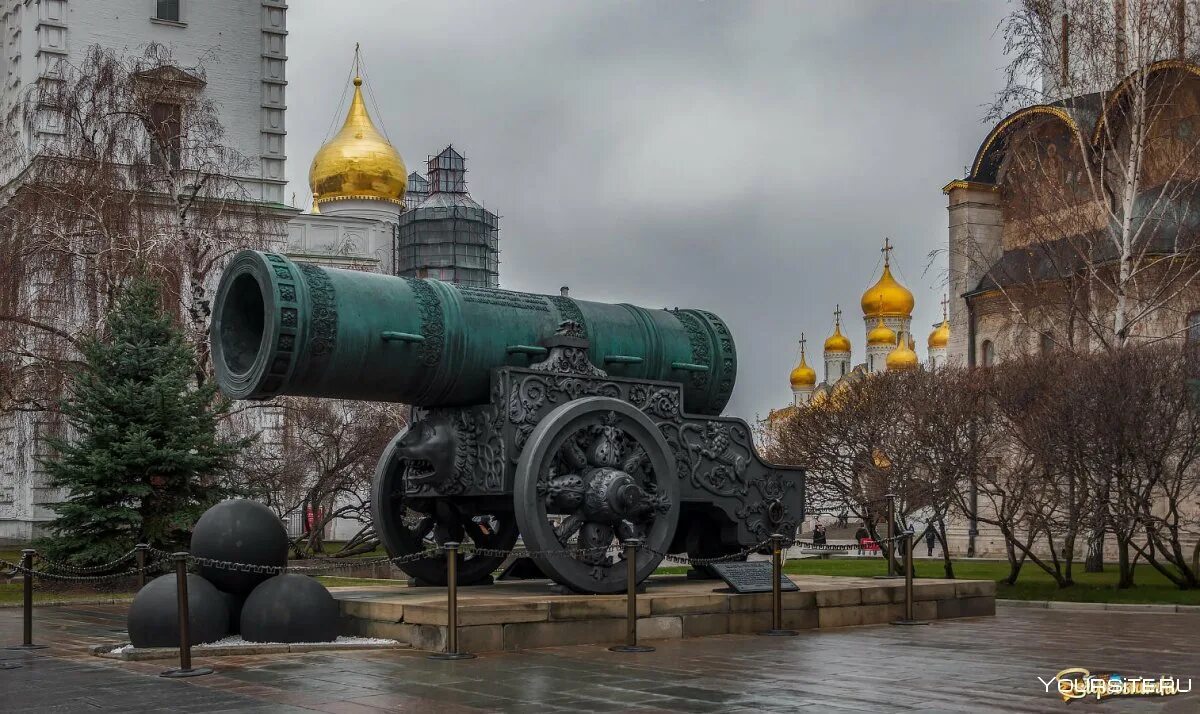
[{"x": 974, "y": 664}]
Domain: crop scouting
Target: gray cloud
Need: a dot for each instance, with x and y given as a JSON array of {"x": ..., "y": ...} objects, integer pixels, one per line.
[{"x": 747, "y": 158}]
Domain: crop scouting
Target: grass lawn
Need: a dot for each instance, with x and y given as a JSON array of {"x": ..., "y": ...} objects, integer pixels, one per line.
[
  {"x": 1033, "y": 584},
  {"x": 11, "y": 593}
]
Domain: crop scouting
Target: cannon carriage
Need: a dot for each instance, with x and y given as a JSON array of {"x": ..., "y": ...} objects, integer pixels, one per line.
[{"x": 570, "y": 424}]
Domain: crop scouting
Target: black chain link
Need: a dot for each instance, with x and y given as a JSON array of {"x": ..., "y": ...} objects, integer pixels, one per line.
[
  {"x": 60, "y": 577},
  {"x": 72, "y": 569},
  {"x": 156, "y": 559}
]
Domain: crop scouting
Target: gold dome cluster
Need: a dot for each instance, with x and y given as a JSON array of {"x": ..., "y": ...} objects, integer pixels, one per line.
[
  {"x": 887, "y": 310},
  {"x": 358, "y": 162}
]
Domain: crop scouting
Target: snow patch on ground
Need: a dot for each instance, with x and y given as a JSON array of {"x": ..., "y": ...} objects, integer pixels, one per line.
[
  {"x": 122, "y": 650},
  {"x": 237, "y": 641}
]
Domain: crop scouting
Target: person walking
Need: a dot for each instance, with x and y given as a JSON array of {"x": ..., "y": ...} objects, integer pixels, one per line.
[
  {"x": 860, "y": 535},
  {"x": 930, "y": 539}
]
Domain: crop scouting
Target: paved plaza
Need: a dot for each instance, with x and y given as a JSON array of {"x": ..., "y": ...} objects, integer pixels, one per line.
[{"x": 974, "y": 664}]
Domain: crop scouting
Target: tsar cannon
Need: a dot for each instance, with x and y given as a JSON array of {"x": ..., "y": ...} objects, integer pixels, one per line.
[{"x": 568, "y": 423}]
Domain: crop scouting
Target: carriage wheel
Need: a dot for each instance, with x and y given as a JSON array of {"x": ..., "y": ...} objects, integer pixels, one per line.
[
  {"x": 408, "y": 525},
  {"x": 594, "y": 472}
]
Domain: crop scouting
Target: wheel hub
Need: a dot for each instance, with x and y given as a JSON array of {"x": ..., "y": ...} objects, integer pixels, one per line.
[{"x": 613, "y": 495}]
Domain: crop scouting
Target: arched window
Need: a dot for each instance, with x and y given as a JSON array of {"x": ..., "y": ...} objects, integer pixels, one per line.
[
  {"x": 989, "y": 353},
  {"x": 1193, "y": 328}
]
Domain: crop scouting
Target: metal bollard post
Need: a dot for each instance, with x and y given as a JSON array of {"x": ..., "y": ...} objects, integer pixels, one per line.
[
  {"x": 185, "y": 668},
  {"x": 909, "y": 618},
  {"x": 452, "y": 651},
  {"x": 777, "y": 590},
  {"x": 890, "y": 544},
  {"x": 27, "y": 602},
  {"x": 631, "y": 645},
  {"x": 141, "y": 564}
]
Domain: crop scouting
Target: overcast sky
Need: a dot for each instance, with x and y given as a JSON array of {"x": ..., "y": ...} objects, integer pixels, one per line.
[{"x": 747, "y": 158}]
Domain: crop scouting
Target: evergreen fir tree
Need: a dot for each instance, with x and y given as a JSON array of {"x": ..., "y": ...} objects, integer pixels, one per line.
[{"x": 145, "y": 458}]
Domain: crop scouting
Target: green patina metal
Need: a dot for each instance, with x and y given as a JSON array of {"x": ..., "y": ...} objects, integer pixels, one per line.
[{"x": 354, "y": 335}]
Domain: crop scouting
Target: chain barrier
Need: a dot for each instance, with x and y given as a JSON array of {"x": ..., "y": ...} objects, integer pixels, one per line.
[
  {"x": 71, "y": 569},
  {"x": 60, "y": 577},
  {"x": 63, "y": 572}
]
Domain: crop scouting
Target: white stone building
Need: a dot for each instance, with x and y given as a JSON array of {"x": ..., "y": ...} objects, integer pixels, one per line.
[{"x": 242, "y": 43}]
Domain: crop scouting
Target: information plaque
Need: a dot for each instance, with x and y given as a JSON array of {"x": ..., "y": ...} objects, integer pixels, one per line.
[{"x": 751, "y": 577}]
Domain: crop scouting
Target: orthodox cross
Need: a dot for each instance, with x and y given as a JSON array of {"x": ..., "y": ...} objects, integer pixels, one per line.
[
  {"x": 945, "y": 302},
  {"x": 802, "y": 343},
  {"x": 887, "y": 251},
  {"x": 837, "y": 315}
]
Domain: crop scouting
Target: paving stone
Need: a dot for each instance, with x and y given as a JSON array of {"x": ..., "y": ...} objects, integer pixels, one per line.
[
  {"x": 840, "y": 597},
  {"x": 975, "y": 588},
  {"x": 690, "y": 604},
  {"x": 923, "y": 590},
  {"x": 798, "y": 599},
  {"x": 595, "y": 607},
  {"x": 750, "y": 602},
  {"x": 478, "y": 614},
  {"x": 965, "y": 607},
  {"x": 881, "y": 595},
  {"x": 980, "y": 664},
  {"x": 659, "y": 628},
  {"x": 749, "y": 622},
  {"x": 527, "y": 635},
  {"x": 399, "y": 631},
  {"x": 373, "y": 610},
  {"x": 704, "y": 625}
]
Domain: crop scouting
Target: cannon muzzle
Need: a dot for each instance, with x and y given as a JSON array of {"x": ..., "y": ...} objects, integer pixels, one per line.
[{"x": 282, "y": 327}]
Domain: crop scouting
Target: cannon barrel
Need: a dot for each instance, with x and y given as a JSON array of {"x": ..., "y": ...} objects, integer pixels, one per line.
[{"x": 286, "y": 328}]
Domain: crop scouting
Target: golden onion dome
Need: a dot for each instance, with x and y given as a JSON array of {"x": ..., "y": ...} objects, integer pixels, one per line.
[
  {"x": 803, "y": 376},
  {"x": 881, "y": 334},
  {"x": 903, "y": 357},
  {"x": 887, "y": 297},
  {"x": 358, "y": 162},
  {"x": 940, "y": 337},
  {"x": 837, "y": 342}
]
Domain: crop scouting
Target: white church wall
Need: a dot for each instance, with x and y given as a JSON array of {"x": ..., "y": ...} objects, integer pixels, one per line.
[{"x": 241, "y": 43}]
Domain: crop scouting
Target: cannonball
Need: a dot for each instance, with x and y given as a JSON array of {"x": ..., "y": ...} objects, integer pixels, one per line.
[
  {"x": 239, "y": 531},
  {"x": 154, "y": 615},
  {"x": 290, "y": 608}
]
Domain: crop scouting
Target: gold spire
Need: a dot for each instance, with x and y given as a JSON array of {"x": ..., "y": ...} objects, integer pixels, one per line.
[
  {"x": 837, "y": 342},
  {"x": 892, "y": 298},
  {"x": 940, "y": 337},
  {"x": 358, "y": 162},
  {"x": 903, "y": 357},
  {"x": 803, "y": 376}
]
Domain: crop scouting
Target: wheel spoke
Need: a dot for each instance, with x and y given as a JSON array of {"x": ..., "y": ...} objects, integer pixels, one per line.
[{"x": 569, "y": 527}]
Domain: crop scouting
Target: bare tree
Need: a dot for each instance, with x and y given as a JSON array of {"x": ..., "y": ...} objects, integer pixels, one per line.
[
  {"x": 324, "y": 465},
  {"x": 136, "y": 176},
  {"x": 857, "y": 447}
]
